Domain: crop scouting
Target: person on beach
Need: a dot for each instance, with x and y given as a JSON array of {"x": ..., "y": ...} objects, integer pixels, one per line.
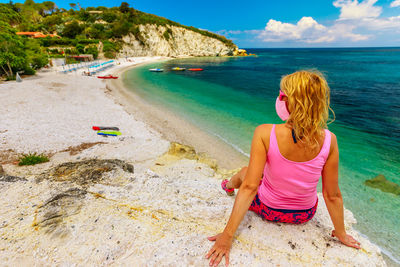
[{"x": 286, "y": 161}]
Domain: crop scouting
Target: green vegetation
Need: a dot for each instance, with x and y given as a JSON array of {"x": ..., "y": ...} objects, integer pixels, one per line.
[
  {"x": 110, "y": 49},
  {"x": 77, "y": 31},
  {"x": 167, "y": 34},
  {"x": 32, "y": 159}
]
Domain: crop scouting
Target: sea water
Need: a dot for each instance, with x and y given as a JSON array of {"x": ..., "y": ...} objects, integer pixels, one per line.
[{"x": 235, "y": 94}]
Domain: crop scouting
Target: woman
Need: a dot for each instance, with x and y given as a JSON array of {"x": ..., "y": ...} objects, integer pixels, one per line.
[{"x": 286, "y": 161}]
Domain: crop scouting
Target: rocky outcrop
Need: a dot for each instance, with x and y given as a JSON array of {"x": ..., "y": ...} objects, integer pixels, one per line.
[
  {"x": 9, "y": 178},
  {"x": 155, "y": 218},
  {"x": 180, "y": 151},
  {"x": 383, "y": 184},
  {"x": 84, "y": 173},
  {"x": 172, "y": 41}
]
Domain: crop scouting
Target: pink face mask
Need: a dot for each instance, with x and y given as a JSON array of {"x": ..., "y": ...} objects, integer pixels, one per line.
[{"x": 281, "y": 108}]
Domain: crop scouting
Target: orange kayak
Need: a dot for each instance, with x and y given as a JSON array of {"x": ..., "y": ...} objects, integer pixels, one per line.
[
  {"x": 196, "y": 69},
  {"x": 107, "y": 77}
]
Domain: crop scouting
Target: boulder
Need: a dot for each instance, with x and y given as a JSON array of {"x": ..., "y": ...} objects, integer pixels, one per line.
[
  {"x": 85, "y": 172},
  {"x": 182, "y": 151},
  {"x": 9, "y": 178}
]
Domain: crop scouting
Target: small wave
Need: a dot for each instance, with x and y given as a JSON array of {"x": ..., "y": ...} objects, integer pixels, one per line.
[{"x": 231, "y": 144}]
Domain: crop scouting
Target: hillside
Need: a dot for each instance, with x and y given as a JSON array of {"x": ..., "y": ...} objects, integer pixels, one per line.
[{"x": 45, "y": 31}]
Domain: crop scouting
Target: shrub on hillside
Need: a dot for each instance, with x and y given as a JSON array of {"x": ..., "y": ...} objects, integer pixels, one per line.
[
  {"x": 92, "y": 50},
  {"x": 80, "y": 48},
  {"x": 72, "y": 29}
]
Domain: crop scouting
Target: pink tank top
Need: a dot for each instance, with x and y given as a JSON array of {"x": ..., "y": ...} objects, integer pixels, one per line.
[{"x": 289, "y": 184}]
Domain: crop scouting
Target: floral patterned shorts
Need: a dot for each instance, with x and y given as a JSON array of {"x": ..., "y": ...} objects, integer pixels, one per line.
[{"x": 285, "y": 216}]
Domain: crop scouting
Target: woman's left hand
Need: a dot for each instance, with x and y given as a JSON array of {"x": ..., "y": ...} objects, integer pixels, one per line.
[{"x": 221, "y": 248}]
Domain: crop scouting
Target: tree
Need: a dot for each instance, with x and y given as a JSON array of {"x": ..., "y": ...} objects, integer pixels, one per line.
[
  {"x": 120, "y": 28},
  {"x": 83, "y": 15},
  {"x": 30, "y": 12},
  {"x": 80, "y": 48},
  {"x": 9, "y": 15},
  {"x": 95, "y": 31},
  {"x": 13, "y": 6},
  {"x": 124, "y": 7},
  {"x": 72, "y": 5},
  {"x": 36, "y": 55},
  {"x": 50, "y": 6},
  {"x": 92, "y": 50},
  {"x": 109, "y": 17},
  {"x": 51, "y": 21},
  {"x": 12, "y": 53},
  {"x": 72, "y": 29}
]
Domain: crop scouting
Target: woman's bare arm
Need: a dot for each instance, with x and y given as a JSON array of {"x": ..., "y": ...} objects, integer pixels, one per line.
[
  {"x": 245, "y": 196},
  {"x": 333, "y": 197}
]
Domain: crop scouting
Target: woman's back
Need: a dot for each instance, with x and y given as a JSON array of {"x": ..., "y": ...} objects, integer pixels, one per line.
[
  {"x": 298, "y": 152},
  {"x": 292, "y": 170}
]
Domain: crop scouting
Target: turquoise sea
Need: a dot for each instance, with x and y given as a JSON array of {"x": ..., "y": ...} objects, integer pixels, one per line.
[{"x": 234, "y": 95}]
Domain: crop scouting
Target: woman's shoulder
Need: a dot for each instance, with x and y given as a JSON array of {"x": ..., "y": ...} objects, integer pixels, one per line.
[
  {"x": 334, "y": 143},
  {"x": 333, "y": 136},
  {"x": 263, "y": 129},
  {"x": 263, "y": 132}
]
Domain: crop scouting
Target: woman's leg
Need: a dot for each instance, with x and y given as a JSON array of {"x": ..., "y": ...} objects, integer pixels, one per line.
[{"x": 237, "y": 179}]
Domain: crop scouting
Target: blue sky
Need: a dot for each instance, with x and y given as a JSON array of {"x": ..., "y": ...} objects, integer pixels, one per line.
[{"x": 306, "y": 23}]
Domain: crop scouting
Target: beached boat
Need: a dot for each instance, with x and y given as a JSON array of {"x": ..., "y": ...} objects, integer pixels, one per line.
[
  {"x": 156, "y": 70},
  {"x": 196, "y": 69},
  {"x": 107, "y": 77},
  {"x": 109, "y": 133},
  {"x": 178, "y": 69}
]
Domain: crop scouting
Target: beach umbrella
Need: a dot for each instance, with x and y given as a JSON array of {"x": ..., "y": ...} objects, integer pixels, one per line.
[{"x": 18, "y": 78}]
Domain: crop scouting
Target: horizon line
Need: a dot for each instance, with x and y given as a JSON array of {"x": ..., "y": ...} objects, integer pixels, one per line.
[{"x": 313, "y": 47}]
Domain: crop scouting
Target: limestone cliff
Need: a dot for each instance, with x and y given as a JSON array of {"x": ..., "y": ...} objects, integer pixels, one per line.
[{"x": 172, "y": 41}]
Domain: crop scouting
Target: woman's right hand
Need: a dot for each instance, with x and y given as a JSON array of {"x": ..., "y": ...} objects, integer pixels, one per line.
[{"x": 348, "y": 240}]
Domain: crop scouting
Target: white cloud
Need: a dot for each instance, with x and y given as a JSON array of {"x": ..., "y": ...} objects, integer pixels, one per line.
[
  {"x": 395, "y": 3},
  {"x": 354, "y": 10},
  {"x": 366, "y": 15},
  {"x": 344, "y": 31},
  {"x": 354, "y": 16},
  {"x": 308, "y": 30},
  {"x": 380, "y": 24}
]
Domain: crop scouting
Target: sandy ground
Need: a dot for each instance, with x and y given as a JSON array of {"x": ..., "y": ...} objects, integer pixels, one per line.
[{"x": 130, "y": 200}]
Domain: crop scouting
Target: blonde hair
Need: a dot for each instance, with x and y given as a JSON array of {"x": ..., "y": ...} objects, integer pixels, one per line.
[{"x": 308, "y": 102}]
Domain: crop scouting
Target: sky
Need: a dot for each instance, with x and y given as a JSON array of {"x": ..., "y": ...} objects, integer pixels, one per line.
[{"x": 285, "y": 23}]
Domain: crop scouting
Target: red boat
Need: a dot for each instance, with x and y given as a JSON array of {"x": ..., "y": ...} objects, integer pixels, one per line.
[
  {"x": 196, "y": 69},
  {"x": 107, "y": 77}
]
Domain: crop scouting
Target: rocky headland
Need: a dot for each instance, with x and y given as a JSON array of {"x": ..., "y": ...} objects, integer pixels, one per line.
[{"x": 152, "y": 40}]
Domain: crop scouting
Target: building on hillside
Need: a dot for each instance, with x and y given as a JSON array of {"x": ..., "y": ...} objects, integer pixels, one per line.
[
  {"x": 84, "y": 57},
  {"x": 36, "y": 34},
  {"x": 95, "y": 12}
]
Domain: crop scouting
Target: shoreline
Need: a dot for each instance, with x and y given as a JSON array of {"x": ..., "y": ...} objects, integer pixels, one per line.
[{"x": 172, "y": 126}]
